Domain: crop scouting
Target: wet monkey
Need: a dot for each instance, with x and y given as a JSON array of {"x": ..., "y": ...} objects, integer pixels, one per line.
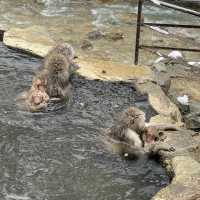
[
  {"x": 60, "y": 66},
  {"x": 36, "y": 98},
  {"x": 124, "y": 137},
  {"x": 131, "y": 137}
]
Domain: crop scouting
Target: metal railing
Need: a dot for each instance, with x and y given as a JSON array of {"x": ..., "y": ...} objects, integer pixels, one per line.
[{"x": 139, "y": 46}]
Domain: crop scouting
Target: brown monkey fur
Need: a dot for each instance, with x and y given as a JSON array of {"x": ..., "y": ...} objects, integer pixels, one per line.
[
  {"x": 131, "y": 138},
  {"x": 36, "y": 98},
  {"x": 62, "y": 49}
]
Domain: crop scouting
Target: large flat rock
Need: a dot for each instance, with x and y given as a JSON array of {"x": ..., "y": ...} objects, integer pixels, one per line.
[
  {"x": 34, "y": 39},
  {"x": 190, "y": 87},
  {"x": 37, "y": 41},
  {"x": 106, "y": 70}
]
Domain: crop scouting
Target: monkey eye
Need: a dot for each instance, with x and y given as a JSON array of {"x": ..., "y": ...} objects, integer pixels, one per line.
[
  {"x": 161, "y": 134},
  {"x": 156, "y": 139}
]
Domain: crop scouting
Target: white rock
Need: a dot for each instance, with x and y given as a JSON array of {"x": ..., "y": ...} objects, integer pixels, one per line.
[
  {"x": 184, "y": 100},
  {"x": 196, "y": 64},
  {"x": 175, "y": 55}
]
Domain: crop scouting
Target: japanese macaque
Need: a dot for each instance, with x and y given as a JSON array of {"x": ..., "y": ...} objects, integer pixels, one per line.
[
  {"x": 36, "y": 98},
  {"x": 124, "y": 138},
  {"x": 62, "y": 49},
  {"x": 60, "y": 66},
  {"x": 58, "y": 82},
  {"x": 132, "y": 138},
  {"x": 52, "y": 82}
]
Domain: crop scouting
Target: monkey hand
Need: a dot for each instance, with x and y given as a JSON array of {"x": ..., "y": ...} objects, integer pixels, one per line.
[{"x": 161, "y": 146}]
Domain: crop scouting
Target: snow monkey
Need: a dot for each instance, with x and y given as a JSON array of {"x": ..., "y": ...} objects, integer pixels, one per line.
[
  {"x": 124, "y": 137},
  {"x": 131, "y": 138},
  {"x": 36, "y": 98},
  {"x": 60, "y": 66},
  {"x": 62, "y": 49}
]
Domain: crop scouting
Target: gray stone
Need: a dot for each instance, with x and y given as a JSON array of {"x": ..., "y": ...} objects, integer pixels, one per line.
[
  {"x": 159, "y": 101},
  {"x": 192, "y": 121},
  {"x": 183, "y": 142},
  {"x": 185, "y": 184}
]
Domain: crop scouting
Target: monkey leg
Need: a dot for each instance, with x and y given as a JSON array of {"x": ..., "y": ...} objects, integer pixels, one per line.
[{"x": 65, "y": 92}]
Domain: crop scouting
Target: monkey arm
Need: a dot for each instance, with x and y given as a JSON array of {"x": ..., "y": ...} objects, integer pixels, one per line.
[
  {"x": 160, "y": 146},
  {"x": 34, "y": 108},
  {"x": 164, "y": 127}
]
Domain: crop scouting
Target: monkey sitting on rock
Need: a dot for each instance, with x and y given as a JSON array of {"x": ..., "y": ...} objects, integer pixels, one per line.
[{"x": 131, "y": 137}]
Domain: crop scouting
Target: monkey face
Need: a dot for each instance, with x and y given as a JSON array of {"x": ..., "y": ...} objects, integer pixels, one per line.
[
  {"x": 39, "y": 84},
  {"x": 134, "y": 119},
  {"x": 152, "y": 135},
  {"x": 57, "y": 63},
  {"x": 37, "y": 99}
]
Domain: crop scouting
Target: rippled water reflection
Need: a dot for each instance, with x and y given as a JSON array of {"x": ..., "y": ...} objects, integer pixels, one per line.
[{"x": 58, "y": 155}]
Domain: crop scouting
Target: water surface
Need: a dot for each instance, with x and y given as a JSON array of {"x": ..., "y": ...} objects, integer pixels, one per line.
[{"x": 58, "y": 155}]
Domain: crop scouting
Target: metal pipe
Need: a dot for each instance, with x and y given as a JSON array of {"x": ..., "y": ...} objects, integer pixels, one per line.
[
  {"x": 168, "y": 48},
  {"x": 1, "y": 35},
  {"x": 137, "y": 40},
  {"x": 175, "y": 7},
  {"x": 171, "y": 25}
]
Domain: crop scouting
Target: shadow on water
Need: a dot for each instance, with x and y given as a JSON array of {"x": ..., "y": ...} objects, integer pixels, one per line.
[{"x": 58, "y": 155}]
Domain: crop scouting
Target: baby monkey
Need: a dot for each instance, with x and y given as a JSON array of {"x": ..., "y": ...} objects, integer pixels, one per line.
[{"x": 36, "y": 98}]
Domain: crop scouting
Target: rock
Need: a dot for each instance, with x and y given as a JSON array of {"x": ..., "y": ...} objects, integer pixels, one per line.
[
  {"x": 194, "y": 106},
  {"x": 183, "y": 86},
  {"x": 162, "y": 119},
  {"x": 185, "y": 184},
  {"x": 114, "y": 36},
  {"x": 106, "y": 70},
  {"x": 192, "y": 121},
  {"x": 160, "y": 102},
  {"x": 95, "y": 35},
  {"x": 165, "y": 85},
  {"x": 160, "y": 67},
  {"x": 184, "y": 143},
  {"x": 86, "y": 45},
  {"x": 35, "y": 40},
  {"x": 39, "y": 1}
]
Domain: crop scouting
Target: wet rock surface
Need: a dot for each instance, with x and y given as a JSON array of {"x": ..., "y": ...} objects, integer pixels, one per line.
[
  {"x": 184, "y": 143},
  {"x": 185, "y": 184},
  {"x": 160, "y": 102}
]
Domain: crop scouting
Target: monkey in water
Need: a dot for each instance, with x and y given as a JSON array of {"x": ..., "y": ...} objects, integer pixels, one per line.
[
  {"x": 62, "y": 49},
  {"x": 36, "y": 98},
  {"x": 124, "y": 137},
  {"x": 58, "y": 79},
  {"x": 131, "y": 138},
  {"x": 60, "y": 66}
]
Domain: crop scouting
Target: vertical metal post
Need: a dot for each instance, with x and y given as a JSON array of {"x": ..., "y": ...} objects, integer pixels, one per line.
[{"x": 137, "y": 42}]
